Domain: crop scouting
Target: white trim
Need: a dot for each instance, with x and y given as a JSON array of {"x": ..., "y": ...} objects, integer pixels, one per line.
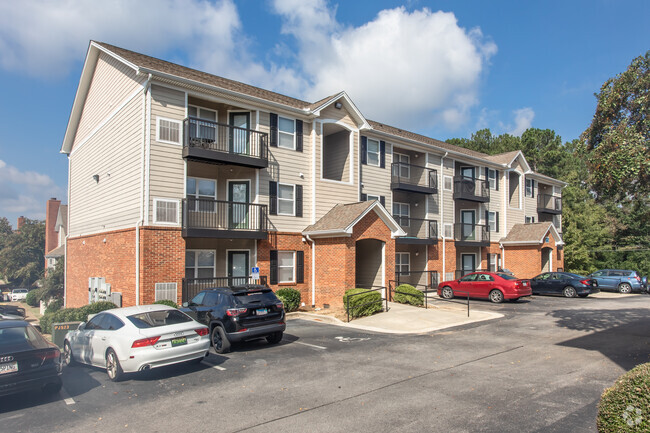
[
  {"x": 156, "y": 200},
  {"x": 180, "y": 131},
  {"x": 293, "y": 253},
  {"x": 282, "y": 132},
  {"x": 368, "y": 139},
  {"x": 239, "y": 250},
  {"x": 313, "y": 173},
  {"x": 196, "y": 262},
  {"x": 355, "y": 110},
  {"x": 293, "y": 185},
  {"x": 378, "y": 197},
  {"x": 350, "y": 151},
  {"x": 487, "y": 223},
  {"x": 383, "y": 269},
  {"x": 313, "y": 272},
  {"x": 195, "y": 192},
  {"x": 147, "y": 162},
  {"x": 340, "y": 182},
  {"x": 521, "y": 196},
  {"x": 402, "y": 253},
  {"x": 496, "y": 178}
]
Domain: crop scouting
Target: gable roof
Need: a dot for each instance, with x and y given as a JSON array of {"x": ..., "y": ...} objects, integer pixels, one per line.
[
  {"x": 341, "y": 219},
  {"x": 56, "y": 252},
  {"x": 531, "y": 234},
  {"x": 504, "y": 158},
  {"x": 61, "y": 218}
]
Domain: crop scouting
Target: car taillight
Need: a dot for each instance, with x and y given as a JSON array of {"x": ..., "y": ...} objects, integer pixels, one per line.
[
  {"x": 586, "y": 282},
  {"x": 145, "y": 342},
  {"x": 234, "y": 312},
  {"x": 202, "y": 331},
  {"x": 51, "y": 354},
  {"x": 638, "y": 278},
  {"x": 279, "y": 305}
]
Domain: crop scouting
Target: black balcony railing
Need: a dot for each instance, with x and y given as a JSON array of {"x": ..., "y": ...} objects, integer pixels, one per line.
[
  {"x": 460, "y": 273},
  {"x": 417, "y": 230},
  {"x": 192, "y": 286},
  {"x": 224, "y": 219},
  {"x": 549, "y": 204},
  {"x": 471, "y": 234},
  {"x": 469, "y": 188},
  {"x": 415, "y": 278},
  {"x": 413, "y": 178},
  {"x": 220, "y": 142}
]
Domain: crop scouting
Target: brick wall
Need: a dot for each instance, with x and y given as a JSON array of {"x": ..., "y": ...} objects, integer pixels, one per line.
[
  {"x": 162, "y": 258},
  {"x": 525, "y": 261}
]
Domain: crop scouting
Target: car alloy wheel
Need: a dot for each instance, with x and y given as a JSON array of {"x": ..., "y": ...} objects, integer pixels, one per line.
[
  {"x": 113, "y": 367},
  {"x": 67, "y": 354},
  {"x": 447, "y": 292},
  {"x": 624, "y": 288},
  {"x": 496, "y": 296},
  {"x": 569, "y": 292},
  {"x": 220, "y": 341}
]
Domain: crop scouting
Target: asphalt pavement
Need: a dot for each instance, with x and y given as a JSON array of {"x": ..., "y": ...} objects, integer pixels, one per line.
[{"x": 540, "y": 368}]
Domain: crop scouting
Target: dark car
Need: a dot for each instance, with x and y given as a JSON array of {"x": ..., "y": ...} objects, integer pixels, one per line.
[
  {"x": 619, "y": 280},
  {"x": 27, "y": 360},
  {"x": 236, "y": 314},
  {"x": 563, "y": 283},
  {"x": 12, "y": 310}
]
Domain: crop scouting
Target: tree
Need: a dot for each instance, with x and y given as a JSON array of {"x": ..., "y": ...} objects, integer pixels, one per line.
[
  {"x": 22, "y": 253},
  {"x": 616, "y": 144},
  {"x": 53, "y": 282}
]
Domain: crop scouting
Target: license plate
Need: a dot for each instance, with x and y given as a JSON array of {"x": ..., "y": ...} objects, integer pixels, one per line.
[
  {"x": 179, "y": 341},
  {"x": 262, "y": 311},
  {"x": 10, "y": 367},
  {"x": 525, "y": 283}
]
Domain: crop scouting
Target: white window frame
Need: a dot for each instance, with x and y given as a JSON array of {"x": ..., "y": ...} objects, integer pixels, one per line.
[
  {"x": 492, "y": 218},
  {"x": 195, "y": 194},
  {"x": 444, "y": 183},
  {"x": 293, "y": 213},
  {"x": 293, "y": 266},
  {"x": 396, "y": 158},
  {"x": 196, "y": 262},
  {"x": 180, "y": 130},
  {"x": 156, "y": 287},
  {"x": 155, "y": 210},
  {"x": 557, "y": 191},
  {"x": 370, "y": 197},
  {"x": 530, "y": 220},
  {"x": 368, "y": 152},
  {"x": 490, "y": 179},
  {"x": 398, "y": 267},
  {"x": 200, "y": 109},
  {"x": 492, "y": 263},
  {"x": 293, "y": 135},
  {"x": 451, "y": 230},
  {"x": 530, "y": 183},
  {"x": 400, "y": 214}
]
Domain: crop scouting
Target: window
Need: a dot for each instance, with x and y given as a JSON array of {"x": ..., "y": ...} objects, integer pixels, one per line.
[
  {"x": 112, "y": 323},
  {"x": 530, "y": 186},
  {"x": 557, "y": 190},
  {"x": 169, "y": 131},
  {"x": 372, "y": 197},
  {"x": 166, "y": 291},
  {"x": 492, "y": 262},
  {"x": 154, "y": 319},
  {"x": 402, "y": 212},
  {"x": 165, "y": 211},
  {"x": 286, "y": 268},
  {"x": 449, "y": 232},
  {"x": 286, "y": 133},
  {"x": 372, "y": 152},
  {"x": 492, "y": 221},
  {"x": 492, "y": 178},
  {"x": 447, "y": 184},
  {"x": 468, "y": 172},
  {"x": 286, "y": 199},
  {"x": 203, "y": 191},
  {"x": 403, "y": 263},
  {"x": 530, "y": 220},
  {"x": 198, "y": 129},
  {"x": 200, "y": 264},
  {"x": 403, "y": 169}
]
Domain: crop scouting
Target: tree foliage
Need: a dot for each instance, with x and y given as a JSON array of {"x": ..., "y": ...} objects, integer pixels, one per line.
[
  {"x": 616, "y": 144},
  {"x": 22, "y": 253},
  {"x": 53, "y": 282}
]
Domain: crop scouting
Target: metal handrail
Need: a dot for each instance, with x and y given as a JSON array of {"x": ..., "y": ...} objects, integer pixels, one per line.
[
  {"x": 406, "y": 277},
  {"x": 225, "y": 138},
  {"x": 465, "y": 232},
  {"x": 470, "y": 187},
  {"x": 549, "y": 201},
  {"x": 192, "y": 286},
  {"x": 417, "y": 175},
  {"x": 376, "y": 289},
  {"x": 418, "y": 227},
  {"x": 425, "y": 292},
  {"x": 200, "y": 213}
]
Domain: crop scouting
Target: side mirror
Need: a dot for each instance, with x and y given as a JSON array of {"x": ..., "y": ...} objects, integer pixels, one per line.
[
  {"x": 82, "y": 326},
  {"x": 185, "y": 304}
]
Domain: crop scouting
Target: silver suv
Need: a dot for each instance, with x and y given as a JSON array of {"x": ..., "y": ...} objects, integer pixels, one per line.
[{"x": 620, "y": 280}]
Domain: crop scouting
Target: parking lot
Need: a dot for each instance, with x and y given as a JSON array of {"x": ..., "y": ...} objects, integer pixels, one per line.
[{"x": 542, "y": 367}]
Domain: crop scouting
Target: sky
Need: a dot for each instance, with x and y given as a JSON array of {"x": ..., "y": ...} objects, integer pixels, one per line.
[{"x": 444, "y": 69}]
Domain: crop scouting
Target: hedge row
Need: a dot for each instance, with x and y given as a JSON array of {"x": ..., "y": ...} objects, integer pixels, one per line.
[
  {"x": 625, "y": 407},
  {"x": 290, "y": 298},
  {"x": 167, "y": 302},
  {"x": 408, "y": 295},
  {"x": 366, "y": 304},
  {"x": 73, "y": 315}
]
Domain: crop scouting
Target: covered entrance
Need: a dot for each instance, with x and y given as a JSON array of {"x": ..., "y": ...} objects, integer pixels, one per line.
[{"x": 369, "y": 263}]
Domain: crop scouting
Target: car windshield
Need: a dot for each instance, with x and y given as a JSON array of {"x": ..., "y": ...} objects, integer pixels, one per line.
[
  {"x": 263, "y": 296},
  {"x": 507, "y": 277},
  {"x": 20, "y": 338},
  {"x": 153, "y": 319}
]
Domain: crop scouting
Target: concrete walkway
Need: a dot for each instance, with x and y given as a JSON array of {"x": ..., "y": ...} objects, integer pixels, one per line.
[{"x": 407, "y": 319}]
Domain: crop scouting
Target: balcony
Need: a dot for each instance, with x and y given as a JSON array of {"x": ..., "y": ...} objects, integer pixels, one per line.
[
  {"x": 471, "y": 235},
  {"x": 192, "y": 286},
  {"x": 418, "y": 231},
  {"x": 469, "y": 188},
  {"x": 413, "y": 178},
  {"x": 221, "y": 143},
  {"x": 550, "y": 204},
  {"x": 206, "y": 218}
]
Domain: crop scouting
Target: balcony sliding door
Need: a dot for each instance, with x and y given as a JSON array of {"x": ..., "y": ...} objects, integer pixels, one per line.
[
  {"x": 238, "y": 195},
  {"x": 468, "y": 218},
  {"x": 240, "y": 134}
]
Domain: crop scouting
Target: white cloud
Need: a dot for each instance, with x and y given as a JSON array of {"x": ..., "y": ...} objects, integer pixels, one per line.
[
  {"x": 25, "y": 192},
  {"x": 523, "y": 120}
]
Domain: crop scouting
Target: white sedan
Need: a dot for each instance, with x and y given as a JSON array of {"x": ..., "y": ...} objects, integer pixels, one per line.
[
  {"x": 19, "y": 295},
  {"x": 133, "y": 339}
]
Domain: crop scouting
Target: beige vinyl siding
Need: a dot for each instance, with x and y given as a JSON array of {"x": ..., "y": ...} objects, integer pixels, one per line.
[
  {"x": 447, "y": 196},
  {"x": 166, "y": 165},
  {"x": 530, "y": 203},
  {"x": 336, "y": 156},
  {"x": 418, "y": 264},
  {"x": 222, "y": 174},
  {"x": 515, "y": 215},
  {"x": 285, "y": 166},
  {"x": 376, "y": 180},
  {"x": 111, "y": 85},
  {"x": 341, "y": 116},
  {"x": 496, "y": 204},
  {"x": 369, "y": 270},
  {"x": 114, "y": 201}
]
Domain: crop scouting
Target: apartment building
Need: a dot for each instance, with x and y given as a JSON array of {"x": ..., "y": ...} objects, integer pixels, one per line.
[{"x": 180, "y": 180}]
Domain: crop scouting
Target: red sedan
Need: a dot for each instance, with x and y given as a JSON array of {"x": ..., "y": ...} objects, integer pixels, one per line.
[{"x": 494, "y": 286}]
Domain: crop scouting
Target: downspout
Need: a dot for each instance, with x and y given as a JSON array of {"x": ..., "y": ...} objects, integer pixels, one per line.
[
  {"x": 313, "y": 270},
  {"x": 442, "y": 218},
  {"x": 145, "y": 122}
]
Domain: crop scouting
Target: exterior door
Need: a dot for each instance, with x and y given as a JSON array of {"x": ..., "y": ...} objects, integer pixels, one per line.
[
  {"x": 238, "y": 196},
  {"x": 238, "y": 266},
  {"x": 468, "y": 262},
  {"x": 468, "y": 218},
  {"x": 240, "y": 132}
]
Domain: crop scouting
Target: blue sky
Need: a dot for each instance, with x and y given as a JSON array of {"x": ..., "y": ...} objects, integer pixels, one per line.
[{"x": 440, "y": 68}]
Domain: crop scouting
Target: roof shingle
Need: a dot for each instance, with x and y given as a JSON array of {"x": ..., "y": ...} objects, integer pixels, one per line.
[{"x": 339, "y": 217}]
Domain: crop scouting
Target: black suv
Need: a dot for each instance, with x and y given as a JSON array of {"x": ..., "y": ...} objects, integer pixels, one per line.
[{"x": 239, "y": 313}]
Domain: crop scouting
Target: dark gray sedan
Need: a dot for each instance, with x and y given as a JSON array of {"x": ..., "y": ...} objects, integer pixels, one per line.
[{"x": 563, "y": 283}]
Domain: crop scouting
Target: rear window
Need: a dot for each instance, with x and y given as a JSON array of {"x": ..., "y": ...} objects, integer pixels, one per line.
[
  {"x": 154, "y": 319},
  {"x": 260, "y": 297},
  {"x": 507, "y": 277},
  {"x": 20, "y": 338}
]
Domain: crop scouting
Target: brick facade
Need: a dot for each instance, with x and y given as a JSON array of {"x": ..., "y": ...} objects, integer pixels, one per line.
[
  {"x": 162, "y": 260},
  {"x": 525, "y": 261}
]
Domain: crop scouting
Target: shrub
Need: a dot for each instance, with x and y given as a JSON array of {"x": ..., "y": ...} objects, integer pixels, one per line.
[
  {"x": 366, "y": 304},
  {"x": 167, "y": 302},
  {"x": 409, "y": 295},
  {"x": 290, "y": 298},
  {"x": 32, "y": 298},
  {"x": 73, "y": 315},
  {"x": 54, "y": 306},
  {"x": 625, "y": 407}
]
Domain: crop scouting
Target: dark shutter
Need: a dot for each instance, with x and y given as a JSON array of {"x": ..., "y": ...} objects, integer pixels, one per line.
[
  {"x": 532, "y": 189},
  {"x": 274, "y": 129},
  {"x": 364, "y": 150},
  {"x": 497, "y": 221},
  {"x": 487, "y": 220},
  {"x": 364, "y": 197},
  {"x": 298, "y": 200},
  {"x": 273, "y": 258},
  {"x": 300, "y": 266},
  {"x": 299, "y": 135},
  {"x": 382, "y": 154},
  {"x": 487, "y": 175},
  {"x": 273, "y": 198},
  {"x": 382, "y": 200}
]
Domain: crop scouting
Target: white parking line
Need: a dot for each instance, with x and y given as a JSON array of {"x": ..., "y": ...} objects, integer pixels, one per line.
[
  {"x": 216, "y": 367},
  {"x": 311, "y": 345},
  {"x": 66, "y": 397}
]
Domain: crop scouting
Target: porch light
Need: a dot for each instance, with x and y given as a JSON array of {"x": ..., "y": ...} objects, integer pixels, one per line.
[{"x": 338, "y": 105}]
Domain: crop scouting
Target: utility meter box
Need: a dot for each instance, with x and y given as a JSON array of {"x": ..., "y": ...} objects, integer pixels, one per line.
[{"x": 60, "y": 329}]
